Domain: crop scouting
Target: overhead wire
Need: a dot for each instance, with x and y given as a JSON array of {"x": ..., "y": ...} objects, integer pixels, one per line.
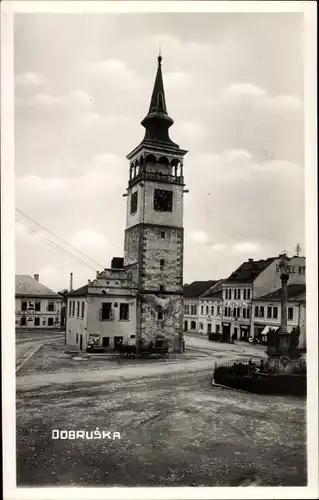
[
  {"x": 58, "y": 237},
  {"x": 54, "y": 245}
]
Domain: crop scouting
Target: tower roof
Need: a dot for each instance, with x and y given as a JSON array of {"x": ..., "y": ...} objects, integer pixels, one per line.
[
  {"x": 158, "y": 95},
  {"x": 157, "y": 121}
]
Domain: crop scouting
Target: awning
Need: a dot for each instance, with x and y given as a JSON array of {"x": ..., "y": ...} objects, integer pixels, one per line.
[{"x": 267, "y": 328}]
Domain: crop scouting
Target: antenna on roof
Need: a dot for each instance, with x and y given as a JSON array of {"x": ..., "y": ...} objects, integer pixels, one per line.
[{"x": 298, "y": 249}]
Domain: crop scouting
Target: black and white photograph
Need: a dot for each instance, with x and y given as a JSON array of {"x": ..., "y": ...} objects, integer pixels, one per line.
[{"x": 163, "y": 327}]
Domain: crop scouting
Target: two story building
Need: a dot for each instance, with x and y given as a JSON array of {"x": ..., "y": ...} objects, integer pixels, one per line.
[
  {"x": 266, "y": 312},
  {"x": 36, "y": 306},
  {"x": 192, "y": 293},
  {"x": 210, "y": 310},
  {"x": 253, "y": 279},
  {"x": 103, "y": 312}
]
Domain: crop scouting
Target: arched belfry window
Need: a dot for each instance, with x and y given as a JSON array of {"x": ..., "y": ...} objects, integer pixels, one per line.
[{"x": 150, "y": 159}]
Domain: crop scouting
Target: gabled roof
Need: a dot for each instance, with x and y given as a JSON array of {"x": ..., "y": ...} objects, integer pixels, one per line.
[
  {"x": 249, "y": 271},
  {"x": 79, "y": 292},
  {"x": 215, "y": 291},
  {"x": 294, "y": 292},
  {"x": 197, "y": 288},
  {"x": 29, "y": 287}
]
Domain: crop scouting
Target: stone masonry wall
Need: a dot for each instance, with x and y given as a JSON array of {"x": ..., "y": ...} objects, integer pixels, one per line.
[
  {"x": 170, "y": 249},
  {"x": 132, "y": 245},
  {"x": 170, "y": 326}
]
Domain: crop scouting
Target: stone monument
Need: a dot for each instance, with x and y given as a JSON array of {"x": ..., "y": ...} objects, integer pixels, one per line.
[{"x": 282, "y": 351}]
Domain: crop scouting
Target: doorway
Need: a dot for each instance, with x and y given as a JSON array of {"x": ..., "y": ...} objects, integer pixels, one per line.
[
  {"x": 81, "y": 342},
  {"x": 106, "y": 341},
  {"x": 226, "y": 333},
  {"x": 185, "y": 326},
  {"x": 209, "y": 328},
  {"x": 244, "y": 333},
  {"x": 117, "y": 343}
]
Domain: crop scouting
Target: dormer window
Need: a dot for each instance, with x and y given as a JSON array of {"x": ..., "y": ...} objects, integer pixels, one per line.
[
  {"x": 160, "y": 101},
  {"x": 163, "y": 234},
  {"x": 162, "y": 264}
]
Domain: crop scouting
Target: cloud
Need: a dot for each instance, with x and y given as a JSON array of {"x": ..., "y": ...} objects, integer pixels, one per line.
[
  {"x": 236, "y": 156},
  {"x": 88, "y": 240},
  {"x": 114, "y": 73},
  {"x": 80, "y": 99},
  {"x": 189, "y": 131},
  {"x": 47, "y": 101},
  {"x": 29, "y": 80},
  {"x": 198, "y": 236},
  {"x": 218, "y": 247},
  {"x": 178, "y": 80},
  {"x": 107, "y": 159},
  {"x": 239, "y": 91},
  {"x": 243, "y": 89},
  {"x": 287, "y": 102},
  {"x": 246, "y": 246}
]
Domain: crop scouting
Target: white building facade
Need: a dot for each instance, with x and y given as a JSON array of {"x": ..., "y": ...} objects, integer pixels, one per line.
[
  {"x": 102, "y": 312},
  {"x": 251, "y": 280},
  {"x": 36, "y": 306},
  {"x": 266, "y": 313}
]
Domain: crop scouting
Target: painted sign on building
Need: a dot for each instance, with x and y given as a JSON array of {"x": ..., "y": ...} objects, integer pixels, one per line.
[{"x": 293, "y": 269}]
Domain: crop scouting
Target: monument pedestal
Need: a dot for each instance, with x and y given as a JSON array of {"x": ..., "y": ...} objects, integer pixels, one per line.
[{"x": 281, "y": 357}]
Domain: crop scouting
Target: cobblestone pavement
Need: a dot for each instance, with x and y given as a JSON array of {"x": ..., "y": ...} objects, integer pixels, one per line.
[{"x": 176, "y": 430}]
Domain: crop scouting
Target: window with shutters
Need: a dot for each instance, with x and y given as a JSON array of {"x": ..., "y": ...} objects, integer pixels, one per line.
[{"x": 106, "y": 311}]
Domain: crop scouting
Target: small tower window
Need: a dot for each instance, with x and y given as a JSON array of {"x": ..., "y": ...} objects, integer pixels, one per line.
[
  {"x": 162, "y": 263},
  {"x": 160, "y": 315},
  {"x": 162, "y": 234},
  {"x": 134, "y": 202},
  {"x": 161, "y": 288}
]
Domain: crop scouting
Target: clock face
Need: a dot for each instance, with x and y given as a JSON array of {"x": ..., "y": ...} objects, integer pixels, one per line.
[
  {"x": 163, "y": 200},
  {"x": 134, "y": 202}
]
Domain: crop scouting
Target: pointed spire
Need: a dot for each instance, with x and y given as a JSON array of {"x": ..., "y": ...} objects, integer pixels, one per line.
[
  {"x": 158, "y": 95},
  {"x": 157, "y": 121}
]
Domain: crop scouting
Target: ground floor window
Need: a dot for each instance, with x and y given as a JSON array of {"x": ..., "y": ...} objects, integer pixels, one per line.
[
  {"x": 193, "y": 325},
  {"x": 36, "y": 321},
  {"x": 50, "y": 322},
  {"x": 201, "y": 326},
  {"x": 23, "y": 321}
]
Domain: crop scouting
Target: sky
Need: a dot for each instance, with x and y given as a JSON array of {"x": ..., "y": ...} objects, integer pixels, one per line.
[{"x": 234, "y": 87}]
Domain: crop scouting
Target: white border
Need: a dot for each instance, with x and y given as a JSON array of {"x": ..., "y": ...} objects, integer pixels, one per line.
[{"x": 7, "y": 249}]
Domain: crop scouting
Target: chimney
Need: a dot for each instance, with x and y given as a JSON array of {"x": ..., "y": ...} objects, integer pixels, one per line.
[
  {"x": 36, "y": 277},
  {"x": 250, "y": 260},
  {"x": 71, "y": 282},
  {"x": 117, "y": 263}
]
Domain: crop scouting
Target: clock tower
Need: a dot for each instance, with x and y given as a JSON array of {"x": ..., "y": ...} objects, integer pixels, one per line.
[{"x": 154, "y": 226}]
